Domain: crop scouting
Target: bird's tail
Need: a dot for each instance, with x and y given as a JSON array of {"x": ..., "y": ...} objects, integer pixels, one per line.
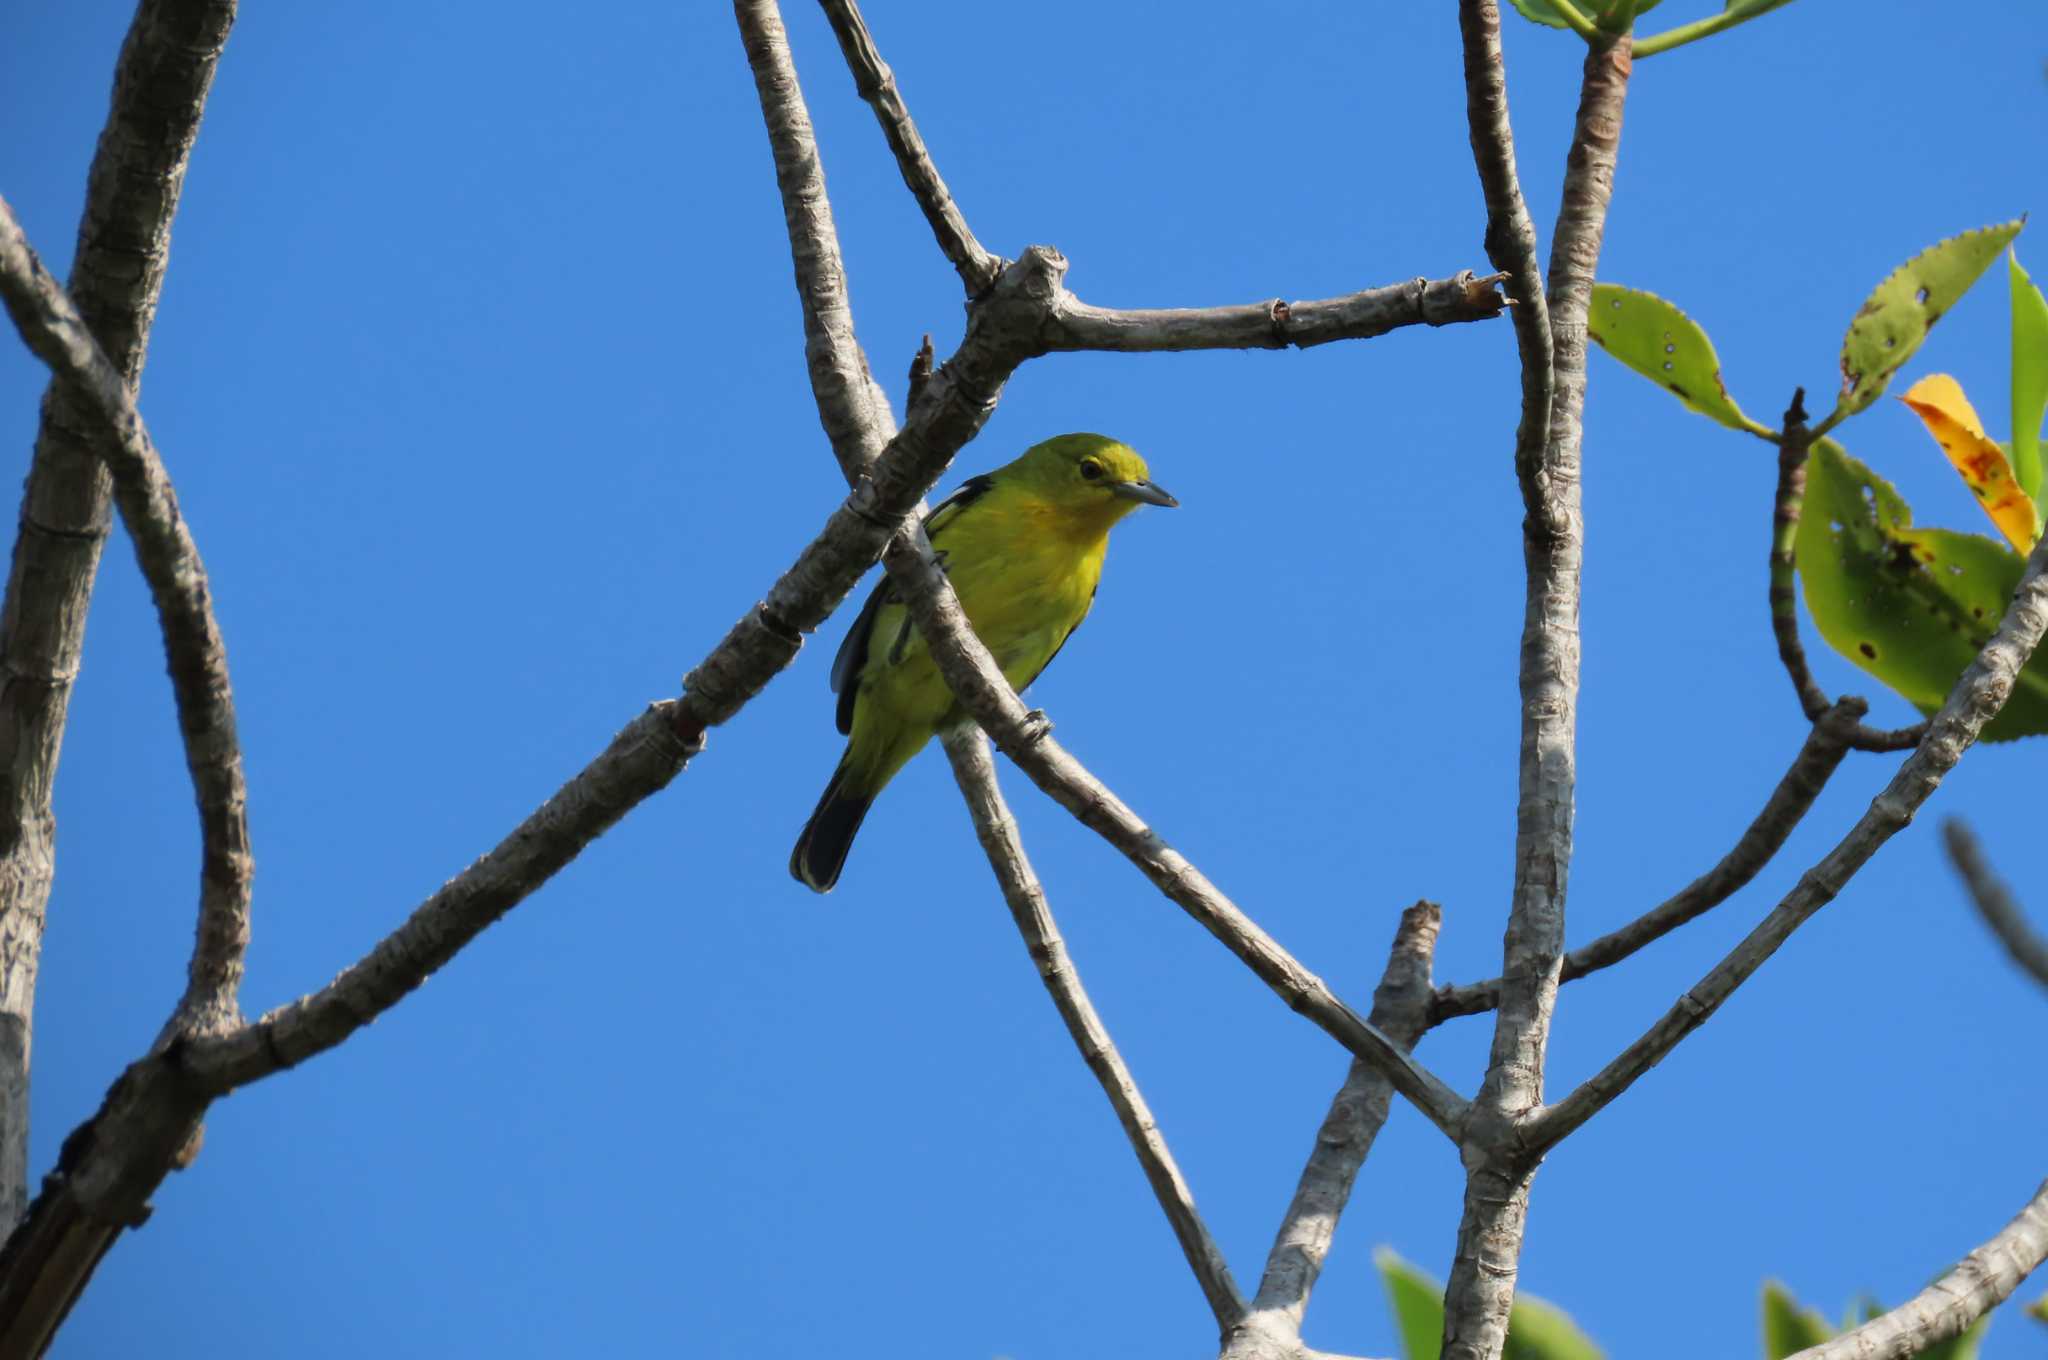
[{"x": 820, "y": 851}]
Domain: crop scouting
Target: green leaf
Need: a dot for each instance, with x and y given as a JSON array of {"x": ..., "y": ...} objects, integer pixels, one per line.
[
  {"x": 1542, "y": 1331},
  {"x": 1897, "y": 315},
  {"x": 1911, "y": 606},
  {"x": 1666, "y": 346},
  {"x": 1542, "y": 12},
  {"x": 1536, "y": 1330},
  {"x": 2039, "y": 1308},
  {"x": 2029, "y": 376},
  {"x": 1418, "y": 1304},
  {"x": 1788, "y": 1328},
  {"x": 1539, "y": 11}
]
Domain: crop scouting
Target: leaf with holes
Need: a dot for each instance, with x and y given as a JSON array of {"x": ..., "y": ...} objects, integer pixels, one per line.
[
  {"x": 1911, "y": 606},
  {"x": 1898, "y": 314},
  {"x": 1939, "y": 402},
  {"x": 1788, "y": 1328},
  {"x": 1666, "y": 346},
  {"x": 1536, "y": 1330},
  {"x": 2029, "y": 375}
]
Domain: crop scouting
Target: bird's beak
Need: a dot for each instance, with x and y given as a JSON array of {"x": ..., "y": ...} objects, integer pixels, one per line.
[{"x": 1145, "y": 492}]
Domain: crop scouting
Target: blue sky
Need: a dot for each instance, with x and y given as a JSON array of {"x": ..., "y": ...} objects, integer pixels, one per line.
[{"x": 480, "y": 375}]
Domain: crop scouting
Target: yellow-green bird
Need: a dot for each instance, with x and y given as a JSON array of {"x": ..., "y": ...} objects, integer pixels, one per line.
[{"x": 1023, "y": 548}]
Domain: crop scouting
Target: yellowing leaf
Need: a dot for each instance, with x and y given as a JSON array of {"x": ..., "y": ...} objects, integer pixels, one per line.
[{"x": 1939, "y": 402}]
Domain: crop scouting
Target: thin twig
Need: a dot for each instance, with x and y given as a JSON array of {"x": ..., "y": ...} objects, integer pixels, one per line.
[
  {"x": 1952, "y": 1304},
  {"x": 1818, "y": 759},
  {"x": 1481, "y": 1288},
  {"x": 52, "y": 327},
  {"x": 997, "y": 831},
  {"x": 1976, "y": 699},
  {"x": 876, "y": 84},
  {"x": 1400, "y": 1007},
  {"x": 1994, "y": 901},
  {"x": 1785, "y": 508},
  {"x": 123, "y": 248},
  {"x": 1795, "y": 443}
]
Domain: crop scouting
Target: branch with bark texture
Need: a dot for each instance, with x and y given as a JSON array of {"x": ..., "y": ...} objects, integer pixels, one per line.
[
  {"x": 1994, "y": 902},
  {"x": 996, "y": 829},
  {"x": 53, "y": 328},
  {"x": 1952, "y": 1304},
  {"x": 1400, "y": 1006},
  {"x": 132, "y": 190},
  {"x": 1499, "y": 1169},
  {"x": 1819, "y": 757},
  {"x": 1978, "y": 695}
]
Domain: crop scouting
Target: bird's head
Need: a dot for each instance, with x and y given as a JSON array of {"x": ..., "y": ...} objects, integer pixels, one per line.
[{"x": 1091, "y": 476}]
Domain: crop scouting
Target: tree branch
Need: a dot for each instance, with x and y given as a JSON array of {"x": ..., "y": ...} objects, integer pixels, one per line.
[
  {"x": 54, "y": 330},
  {"x": 876, "y": 84},
  {"x": 997, "y": 831},
  {"x": 1819, "y": 757},
  {"x": 1994, "y": 902},
  {"x": 1978, "y": 695},
  {"x": 160, "y": 85},
  {"x": 1795, "y": 441},
  {"x": 1400, "y": 1007},
  {"x": 1276, "y": 325},
  {"x": 1948, "y": 1307},
  {"x": 1025, "y": 737},
  {"x": 852, "y": 406},
  {"x": 1481, "y": 1288}
]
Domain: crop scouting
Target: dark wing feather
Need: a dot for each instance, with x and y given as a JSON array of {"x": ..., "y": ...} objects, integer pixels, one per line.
[{"x": 853, "y": 651}]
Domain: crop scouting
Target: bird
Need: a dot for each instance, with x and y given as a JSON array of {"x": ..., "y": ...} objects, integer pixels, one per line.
[{"x": 1023, "y": 548}]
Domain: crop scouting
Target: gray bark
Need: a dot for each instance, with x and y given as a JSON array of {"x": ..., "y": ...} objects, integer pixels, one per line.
[
  {"x": 160, "y": 85},
  {"x": 1499, "y": 1167}
]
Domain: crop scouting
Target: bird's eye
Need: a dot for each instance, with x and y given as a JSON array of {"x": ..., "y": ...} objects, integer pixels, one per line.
[{"x": 1090, "y": 469}]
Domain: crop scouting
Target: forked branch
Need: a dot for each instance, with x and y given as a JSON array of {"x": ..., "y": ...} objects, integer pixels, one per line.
[
  {"x": 50, "y": 324},
  {"x": 1976, "y": 699}
]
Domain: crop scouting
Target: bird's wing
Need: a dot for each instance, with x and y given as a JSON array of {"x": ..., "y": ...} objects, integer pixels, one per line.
[{"x": 853, "y": 652}]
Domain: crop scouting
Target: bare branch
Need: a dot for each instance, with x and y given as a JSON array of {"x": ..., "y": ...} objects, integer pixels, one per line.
[
  {"x": 997, "y": 830},
  {"x": 1552, "y": 345},
  {"x": 1791, "y": 495},
  {"x": 1400, "y": 1007},
  {"x": 851, "y": 404},
  {"x": 876, "y": 84},
  {"x": 1978, "y": 695},
  {"x": 1994, "y": 902},
  {"x": 70, "y": 1225},
  {"x": 1276, "y": 325},
  {"x": 1025, "y": 737},
  {"x": 1795, "y": 442},
  {"x": 160, "y": 85},
  {"x": 1948, "y": 1307},
  {"x": 1818, "y": 759},
  {"x": 53, "y": 328}
]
